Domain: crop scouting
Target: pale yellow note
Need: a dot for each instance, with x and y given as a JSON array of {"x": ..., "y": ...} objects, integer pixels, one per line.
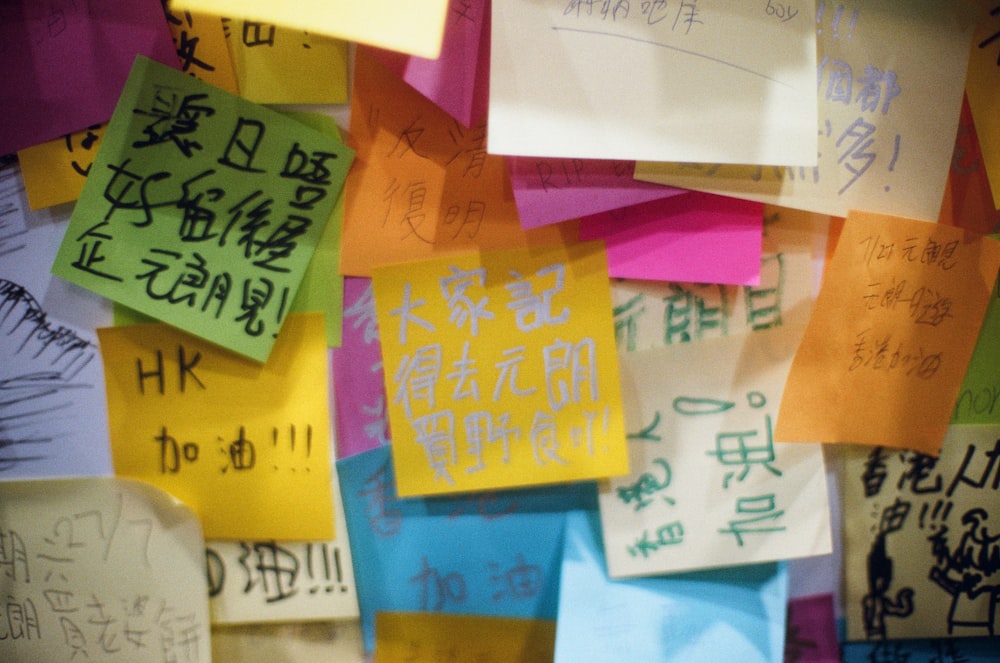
[
  {"x": 54, "y": 171},
  {"x": 246, "y": 445},
  {"x": 889, "y": 340},
  {"x": 100, "y": 569},
  {"x": 501, "y": 369},
  {"x": 982, "y": 86},
  {"x": 399, "y": 25},
  {"x": 422, "y": 637},
  {"x": 280, "y": 65},
  {"x": 879, "y": 147}
]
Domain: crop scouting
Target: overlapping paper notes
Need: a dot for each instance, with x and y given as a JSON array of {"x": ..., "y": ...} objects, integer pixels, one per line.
[
  {"x": 202, "y": 209},
  {"x": 889, "y": 341},
  {"x": 500, "y": 369},
  {"x": 246, "y": 445}
]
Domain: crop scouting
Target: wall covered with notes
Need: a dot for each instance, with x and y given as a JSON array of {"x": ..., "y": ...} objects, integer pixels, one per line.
[{"x": 513, "y": 331}]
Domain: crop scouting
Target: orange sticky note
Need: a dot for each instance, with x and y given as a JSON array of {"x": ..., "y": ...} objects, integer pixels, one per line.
[
  {"x": 967, "y": 201},
  {"x": 422, "y": 185},
  {"x": 246, "y": 445},
  {"x": 54, "y": 171},
  {"x": 421, "y": 637},
  {"x": 891, "y": 334},
  {"x": 202, "y": 49},
  {"x": 501, "y": 369}
]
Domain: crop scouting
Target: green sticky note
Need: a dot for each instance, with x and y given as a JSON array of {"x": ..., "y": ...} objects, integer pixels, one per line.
[
  {"x": 202, "y": 209},
  {"x": 979, "y": 398}
]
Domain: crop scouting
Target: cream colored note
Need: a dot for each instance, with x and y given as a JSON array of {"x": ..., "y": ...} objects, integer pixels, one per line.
[
  {"x": 920, "y": 538},
  {"x": 662, "y": 81},
  {"x": 399, "y": 25},
  {"x": 100, "y": 569},
  {"x": 889, "y": 81},
  {"x": 708, "y": 486}
]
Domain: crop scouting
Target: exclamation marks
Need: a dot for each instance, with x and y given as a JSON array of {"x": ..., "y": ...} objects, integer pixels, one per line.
[
  {"x": 332, "y": 574},
  {"x": 838, "y": 16},
  {"x": 895, "y": 155},
  {"x": 940, "y": 512}
]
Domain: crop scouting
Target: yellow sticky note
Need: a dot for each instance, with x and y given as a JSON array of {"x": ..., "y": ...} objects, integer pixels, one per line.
[
  {"x": 501, "y": 369},
  {"x": 982, "y": 86},
  {"x": 399, "y": 25},
  {"x": 889, "y": 340},
  {"x": 421, "y": 637},
  {"x": 54, "y": 171},
  {"x": 246, "y": 445},
  {"x": 280, "y": 65},
  {"x": 202, "y": 49}
]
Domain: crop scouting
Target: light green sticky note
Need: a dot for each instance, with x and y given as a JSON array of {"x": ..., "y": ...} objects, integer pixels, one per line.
[
  {"x": 979, "y": 398},
  {"x": 202, "y": 209}
]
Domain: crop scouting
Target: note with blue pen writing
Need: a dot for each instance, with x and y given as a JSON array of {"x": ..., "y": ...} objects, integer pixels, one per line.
[
  {"x": 879, "y": 149},
  {"x": 734, "y": 614},
  {"x": 491, "y": 553},
  {"x": 500, "y": 369},
  {"x": 658, "y": 81},
  {"x": 101, "y": 569},
  {"x": 709, "y": 487},
  {"x": 246, "y": 445},
  {"x": 202, "y": 209}
]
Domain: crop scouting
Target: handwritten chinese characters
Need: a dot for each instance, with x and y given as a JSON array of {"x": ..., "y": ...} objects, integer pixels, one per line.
[
  {"x": 890, "y": 338},
  {"x": 246, "y": 445},
  {"x": 102, "y": 570},
  {"x": 202, "y": 209},
  {"x": 500, "y": 369},
  {"x": 709, "y": 485},
  {"x": 921, "y": 548}
]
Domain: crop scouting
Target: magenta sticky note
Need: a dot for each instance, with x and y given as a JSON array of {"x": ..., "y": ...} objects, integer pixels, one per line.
[
  {"x": 458, "y": 80},
  {"x": 694, "y": 237},
  {"x": 811, "y": 636},
  {"x": 360, "y": 412},
  {"x": 63, "y": 63},
  {"x": 548, "y": 190}
]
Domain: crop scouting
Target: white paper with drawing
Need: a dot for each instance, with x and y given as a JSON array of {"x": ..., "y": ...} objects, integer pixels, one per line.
[
  {"x": 101, "y": 570},
  {"x": 882, "y": 64},
  {"x": 693, "y": 80},
  {"x": 709, "y": 487}
]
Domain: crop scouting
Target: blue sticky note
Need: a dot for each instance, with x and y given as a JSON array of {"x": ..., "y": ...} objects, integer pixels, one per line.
[
  {"x": 731, "y": 614},
  {"x": 494, "y": 554},
  {"x": 935, "y": 650}
]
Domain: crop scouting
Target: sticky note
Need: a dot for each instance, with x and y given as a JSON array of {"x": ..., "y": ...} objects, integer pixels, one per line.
[
  {"x": 360, "y": 407},
  {"x": 968, "y": 201},
  {"x": 708, "y": 485},
  {"x": 890, "y": 338},
  {"x": 201, "y": 47},
  {"x": 422, "y": 185},
  {"x": 879, "y": 149},
  {"x": 729, "y": 614},
  {"x": 980, "y": 390},
  {"x": 246, "y": 445},
  {"x": 811, "y": 636},
  {"x": 101, "y": 569},
  {"x": 672, "y": 81},
  {"x": 651, "y": 314},
  {"x": 932, "y": 650},
  {"x": 266, "y": 581},
  {"x": 394, "y": 24},
  {"x": 457, "y": 81},
  {"x": 275, "y": 64},
  {"x": 65, "y": 63},
  {"x": 695, "y": 237},
  {"x": 420, "y": 637},
  {"x": 54, "y": 171},
  {"x": 490, "y": 553},
  {"x": 500, "y": 369},
  {"x": 982, "y": 79},
  {"x": 919, "y": 539},
  {"x": 202, "y": 209},
  {"x": 549, "y": 190}
]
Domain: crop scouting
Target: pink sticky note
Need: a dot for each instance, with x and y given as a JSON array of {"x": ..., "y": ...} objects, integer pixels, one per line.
[
  {"x": 549, "y": 190},
  {"x": 811, "y": 636},
  {"x": 695, "y": 237},
  {"x": 362, "y": 419},
  {"x": 458, "y": 80},
  {"x": 64, "y": 63}
]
